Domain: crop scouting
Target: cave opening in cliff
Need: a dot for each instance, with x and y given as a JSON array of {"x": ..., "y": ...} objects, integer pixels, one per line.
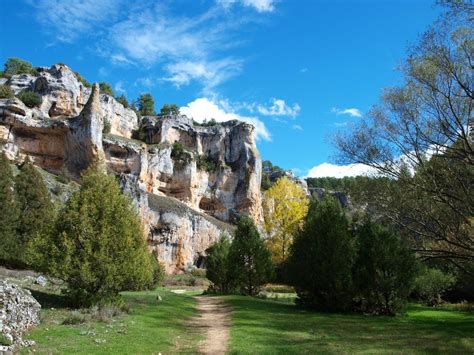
[{"x": 210, "y": 205}]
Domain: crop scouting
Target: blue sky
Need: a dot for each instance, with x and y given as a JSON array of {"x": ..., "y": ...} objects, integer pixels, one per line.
[{"x": 298, "y": 70}]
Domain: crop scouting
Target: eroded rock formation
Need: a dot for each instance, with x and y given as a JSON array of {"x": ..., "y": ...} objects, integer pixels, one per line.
[
  {"x": 189, "y": 182},
  {"x": 19, "y": 312}
]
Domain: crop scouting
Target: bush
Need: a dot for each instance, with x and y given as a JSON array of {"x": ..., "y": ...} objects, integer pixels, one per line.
[
  {"x": 6, "y": 92},
  {"x": 123, "y": 100},
  {"x": 179, "y": 154},
  {"x": 107, "y": 126},
  {"x": 169, "y": 109},
  {"x": 104, "y": 313},
  {"x": 106, "y": 88},
  {"x": 65, "y": 177},
  {"x": 384, "y": 270},
  {"x": 30, "y": 98},
  {"x": 249, "y": 261},
  {"x": 14, "y": 66},
  {"x": 217, "y": 265},
  {"x": 321, "y": 259},
  {"x": 199, "y": 273},
  {"x": 158, "y": 271},
  {"x": 75, "y": 317},
  {"x": 205, "y": 123},
  {"x": 82, "y": 80},
  {"x": 206, "y": 163},
  {"x": 431, "y": 284},
  {"x": 97, "y": 245}
]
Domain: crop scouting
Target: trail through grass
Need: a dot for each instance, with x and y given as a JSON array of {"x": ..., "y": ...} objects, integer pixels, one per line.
[
  {"x": 151, "y": 327},
  {"x": 270, "y": 327}
]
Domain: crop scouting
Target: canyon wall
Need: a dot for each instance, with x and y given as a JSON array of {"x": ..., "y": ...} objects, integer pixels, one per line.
[{"x": 189, "y": 182}]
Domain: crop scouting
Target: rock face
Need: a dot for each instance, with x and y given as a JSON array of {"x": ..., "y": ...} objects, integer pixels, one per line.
[
  {"x": 342, "y": 197},
  {"x": 213, "y": 173},
  {"x": 19, "y": 311},
  {"x": 275, "y": 175},
  {"x": 64, "y": 96},
  {"x": 222, "y": 175}
]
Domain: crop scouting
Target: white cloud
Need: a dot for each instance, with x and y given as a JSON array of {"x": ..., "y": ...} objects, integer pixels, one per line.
[
  {"x": 151, "y": 36},
  {"x": 120, "y": 59},
  {"x": 187, "y": 48},
  {"x": 67, "y": 19},
  {"x": 303, "y": 70},
  {"x": 259, "y": 5},
  {"x": 278, "y": 107},
  {"x": 339, "y": 171},
  {"x": 146, "y": 81},
  {"x": 297, "y": 127},
  {"x": 354, "y": 112},
  {"x": 118, "y": 88},
  {"x": 210, "y": 74},
  {"x": 205, "y": 109}
]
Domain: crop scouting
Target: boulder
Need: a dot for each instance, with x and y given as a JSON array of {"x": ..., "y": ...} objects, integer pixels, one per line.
[{"x": 19, "y": 312}]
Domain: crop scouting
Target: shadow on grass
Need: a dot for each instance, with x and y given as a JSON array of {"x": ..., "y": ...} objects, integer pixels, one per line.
[
  {"x": 49, "y": 300},
  {"x": 271, "y": 327}
]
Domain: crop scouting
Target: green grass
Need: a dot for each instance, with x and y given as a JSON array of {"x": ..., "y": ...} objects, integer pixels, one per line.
[
  {"x": 273, "y": 327},
  {"x": 150, "y": 327}
]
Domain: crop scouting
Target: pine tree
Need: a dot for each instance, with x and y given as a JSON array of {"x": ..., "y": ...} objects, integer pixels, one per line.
[
  {"x": 8, "y": 212},
  {"x": 250, "y": 264},
  {"x": 217, "y": 265},
  {"x": 97, "y": 245},
  {"x": 36, "y": 211},
  {"x": 384, "y": 270},
  {"x": 322, "y": 255},
  {"x": 146, "y": 105}
]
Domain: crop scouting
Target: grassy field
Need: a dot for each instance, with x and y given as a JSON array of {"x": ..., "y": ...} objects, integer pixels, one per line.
[
  {"x": 259, "y": 326},
  {"x": 272, "y": 327},
  {"x": 150, "y": 327}
]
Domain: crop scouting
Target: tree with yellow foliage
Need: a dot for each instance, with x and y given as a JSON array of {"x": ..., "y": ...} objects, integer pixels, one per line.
[{"x": 285, "y": 206}]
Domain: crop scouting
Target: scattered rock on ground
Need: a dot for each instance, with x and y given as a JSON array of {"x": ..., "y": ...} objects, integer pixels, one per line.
[
  {"x": 41, "y": 280},
  {"x": 19, "y": 312}
]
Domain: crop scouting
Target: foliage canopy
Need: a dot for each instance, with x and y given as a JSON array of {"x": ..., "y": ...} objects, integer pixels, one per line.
[
  {"x": 97, "y": 245},
  {"x": 285, "y": 206}
]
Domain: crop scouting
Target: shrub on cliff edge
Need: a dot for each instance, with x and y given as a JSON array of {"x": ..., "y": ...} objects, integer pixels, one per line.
[
  {"x": 30, "y": 98},
  {"x": 6, "y": 92}
]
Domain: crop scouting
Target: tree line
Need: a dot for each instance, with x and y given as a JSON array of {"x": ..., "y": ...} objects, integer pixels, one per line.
[
  {"x": 420, "y": 138},
  {"x": 336, "y": 261},
  {"x": 94, "y": 243}
]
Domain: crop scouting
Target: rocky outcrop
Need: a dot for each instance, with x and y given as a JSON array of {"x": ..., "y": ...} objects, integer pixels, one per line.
[
  {"x": 222, "y": 173},
  {"x": 179, "y": 234},
  {"x": 212, "y": 172},
  {"x": 273, "y": 176},
  {"x": 341, "y": 197},
  {"x": 64, "y": 96},
  {"x": 19, "y": 312},
  {"x": 84, "y": 139}
]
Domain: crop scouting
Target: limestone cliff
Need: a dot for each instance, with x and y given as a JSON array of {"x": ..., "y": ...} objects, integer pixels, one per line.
[{"x": 189, "y": 182}]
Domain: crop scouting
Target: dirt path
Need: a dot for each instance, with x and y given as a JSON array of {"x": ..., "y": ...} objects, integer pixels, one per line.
[{"x": 214, "y": 321}]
